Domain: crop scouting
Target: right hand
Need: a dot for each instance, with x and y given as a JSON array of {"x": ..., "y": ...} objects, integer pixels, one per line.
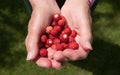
[{"x": 40, "y": 18}]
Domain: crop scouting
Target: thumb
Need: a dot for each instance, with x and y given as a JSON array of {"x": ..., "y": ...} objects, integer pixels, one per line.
[
  {"x": 35, "y": 27},
  {"x": 32, "y": 48},
  {"x": 85, "y": 32},
  {"x": 85, "y": 44}
]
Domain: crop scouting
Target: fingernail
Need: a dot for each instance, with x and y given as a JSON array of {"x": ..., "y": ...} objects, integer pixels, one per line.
[
  {"x": 88, "y": 46},
  {"x": 29, "y": 56}
]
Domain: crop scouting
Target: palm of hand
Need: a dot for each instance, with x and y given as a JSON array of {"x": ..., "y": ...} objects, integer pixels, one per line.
[
  {"x": 40, "y": 18},
  {"x": 79, "y": 20}
]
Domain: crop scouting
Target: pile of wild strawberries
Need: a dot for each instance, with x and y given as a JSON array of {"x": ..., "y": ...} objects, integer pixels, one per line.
[{"x": 58, "y": 36}]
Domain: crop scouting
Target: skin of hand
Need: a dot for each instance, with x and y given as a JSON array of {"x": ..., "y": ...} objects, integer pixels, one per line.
[
  {"x": 40, "y": 18},
  {"x": 77, "y": 14}
]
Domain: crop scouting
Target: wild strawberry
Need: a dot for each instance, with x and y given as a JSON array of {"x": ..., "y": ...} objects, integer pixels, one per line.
[
  {"x": 56, "y": 41},
  {"x": 64, "y": 38},
  {"x": 48, "y": 29},
  {"x": 52, "y": 37},
  {"x": 49, "y": 42},
  {"x": 56, "y": 17},
  {"x": 73, "y": 34},
  {"x": 57, "y": 28},
  {"x": 73, "y": 45},
  {"x": 54, "y": 47},
  {"x": 54, "y": 32},
  {"x": 67, "y": 30},
  {"x": 64, "y": 45},
  {"x": 43, "y": 38},
  {"x": 59, "y": 47},
  {"x": 61, "y": 23},
  {"x": 71, "y": 39},
  {"x": 54, "y": 23},
  {"x": 43, "y": 52}
]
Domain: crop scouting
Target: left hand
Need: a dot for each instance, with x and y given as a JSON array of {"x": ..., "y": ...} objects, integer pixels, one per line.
[{"x": 77, "y": 14}]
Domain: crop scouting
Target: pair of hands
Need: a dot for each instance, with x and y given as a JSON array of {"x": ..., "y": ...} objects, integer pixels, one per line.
[{"x": 77, "y": 14}]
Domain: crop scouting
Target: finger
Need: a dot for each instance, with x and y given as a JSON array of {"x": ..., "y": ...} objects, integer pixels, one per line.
[
  {"x": 85, "y": 43},
  {"x": 59, "y": 56},
  {"x": 35, "y": 26},
  {"x": 84, "y": 30},
  {"x": 44, "y": 62},
  {"x": 56, "y": 64},
  {"x": 51, "y": 53},
  {"x": 75, "y": 54}
]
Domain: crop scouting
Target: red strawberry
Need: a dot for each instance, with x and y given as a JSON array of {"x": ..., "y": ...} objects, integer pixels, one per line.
[
  {"x": 43, "y": 52},
  {"x": 54, "y": 32},
  {"x": 51, "y": 37},
  {"x": 43, "y": 38},
  {"x": 54, "y": 23},
  {"x": 59, "y": 47},
  {"x": 57, "y": 28},
  {"x": 64, "y": 38},
  {"x": 56, "y": 41},
  {"x": 73, "y": 34},
  {"x": 73, "y": 45},
  {"x": 61, "y": 23},
  {"x": 66, "y": 25},
  {"x": 56, "y": 17},
  {"x": 71, "y": 39},
  {"x": 49, "y": 42},
  {"x": 48, "y": 29},
  {"x": 64, "y": 45},
  {"x": 67, "y": 30},
  {"x": 54, "y": 47}
]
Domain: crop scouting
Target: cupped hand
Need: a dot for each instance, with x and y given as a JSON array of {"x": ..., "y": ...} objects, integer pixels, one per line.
[
  {"x": 40, "y": 18},
  {"x": 77, "y": 14}
]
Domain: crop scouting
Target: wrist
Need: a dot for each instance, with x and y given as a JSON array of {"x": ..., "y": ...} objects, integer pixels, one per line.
[
  {"x": 91, "y": 2},
  {"x": 38, "y": 3}
]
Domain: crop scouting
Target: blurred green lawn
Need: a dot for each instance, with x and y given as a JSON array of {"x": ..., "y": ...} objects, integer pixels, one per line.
[{"x": 103, "y": 60}]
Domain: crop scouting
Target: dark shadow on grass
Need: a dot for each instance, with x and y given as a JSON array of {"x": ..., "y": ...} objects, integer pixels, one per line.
[
  {"x": 14, "y": 14},
  {"x": 105, "y": 58},
  {"x": 13, "y": 29}
]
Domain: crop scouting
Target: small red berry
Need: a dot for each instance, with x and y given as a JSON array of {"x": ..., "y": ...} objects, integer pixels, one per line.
[
  {"x": 43, "y": 52},
  {"x": 54, "y": 23},
  {"x": 59, "y": 47},
  {"x": 54, "y": 47},
  {"x": 73, "y": 45},
  {"x": 56, "y": 41},
  {"x": 67, "y": 30},
  {"x": 73, "y": 34},
  {"x": 64, "y": 38},
  {"x": 71, "y": 39},
  {"x": 46, "y": 45},
  {"x": 51, "y": 36},
  {"x": 61, "y": 23},
  {"x": 43, "y": 38},
  {"x": 49, "y": 42},
  {"x": 57, "y": 28},
  {"x": 56, "y": 17},
  {"x": 48, "y": 29},
  {"x": 54, "y": 32},
  {"x": 66, "y": 25},
  {"x": 64, "y": 45}
]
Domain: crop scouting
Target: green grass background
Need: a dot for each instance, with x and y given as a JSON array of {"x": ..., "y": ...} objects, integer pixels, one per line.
[{"x": 103, "y": 60}]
